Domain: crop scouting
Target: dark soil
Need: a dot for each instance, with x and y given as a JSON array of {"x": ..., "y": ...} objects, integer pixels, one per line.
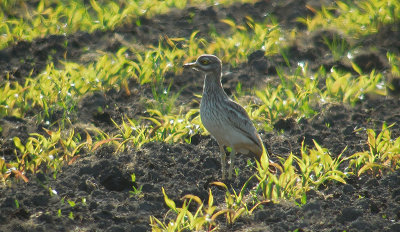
[{"x": 100, "y": 183}]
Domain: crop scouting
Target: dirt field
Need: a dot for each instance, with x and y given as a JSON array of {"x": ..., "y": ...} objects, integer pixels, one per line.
[{"x": 103, "y": 178}]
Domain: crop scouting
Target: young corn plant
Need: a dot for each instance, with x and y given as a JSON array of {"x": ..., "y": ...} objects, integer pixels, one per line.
[
  {"x": 317, "y": 167},
  {"x": 266, "y": 36},
  {"x": 236, "y": 205},
  {"x": 274, "y": 187},
  {"x": 348, "y": 89},
  {"x": 383, "y": 154},
  {"x": 174, "y": 128},
  {"x": 131, "y": 134},
  {"x": 338, "y": 46},
  {"x": 297, "y": 175},
  {"x": 137, "y": 191},
  {"x": 202, "y": 219},
  {"x": 12, "y": 102},
  {"x": 291, "y": 98},
  {"x": 394, "y": 62},
  {"x": 164, "y": 101},
  {"x": 37, "y": 150},
  {"x": 50, "y": 151}
]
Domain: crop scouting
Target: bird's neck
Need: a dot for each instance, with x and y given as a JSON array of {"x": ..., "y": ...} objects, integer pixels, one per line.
[{"x": 212, "y": 83}]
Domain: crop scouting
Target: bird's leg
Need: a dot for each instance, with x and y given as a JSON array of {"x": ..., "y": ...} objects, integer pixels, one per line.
[
  {"x": 223, "y": 161},
  {"x": 232, "y": 159}
]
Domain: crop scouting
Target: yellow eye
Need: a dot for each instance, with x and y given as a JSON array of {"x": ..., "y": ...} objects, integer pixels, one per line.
[{"x": 204, "y": 62}]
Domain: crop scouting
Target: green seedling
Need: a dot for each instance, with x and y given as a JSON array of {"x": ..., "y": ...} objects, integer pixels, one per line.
[
  {"x": 237, "y": 204},
  {"x": 174, "y": 128},
  {"x": 291, "y": 98},
  {"x": 394, "y": 62},
  {"x": 349, "y": 89},
  {"x": 316, "y": 167},
  {"x": 52, "y": 151},
  {"x": 16, "y": 203},
  {"x": 203, "y": 218},
  {"x": 131, "y": 134},
  {"x": 339, "y": 47},
  {"x": 71, "y": 203},
  {"x": 383, "y": 154},
  {"x": 136, "y": 191}
]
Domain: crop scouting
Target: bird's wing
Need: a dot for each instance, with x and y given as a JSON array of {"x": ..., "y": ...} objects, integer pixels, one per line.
[{"x": 239, "y": 118}]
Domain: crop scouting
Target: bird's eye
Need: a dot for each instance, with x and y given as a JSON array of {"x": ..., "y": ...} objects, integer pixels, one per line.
[{"x": 204, "y": 62}]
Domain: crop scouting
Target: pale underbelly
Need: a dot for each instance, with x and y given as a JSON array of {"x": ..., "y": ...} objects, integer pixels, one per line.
[{"x": 226, "y": 134}]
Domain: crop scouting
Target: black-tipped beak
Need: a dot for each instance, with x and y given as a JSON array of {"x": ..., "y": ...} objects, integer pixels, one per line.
[{"x": 190, "y": 65}]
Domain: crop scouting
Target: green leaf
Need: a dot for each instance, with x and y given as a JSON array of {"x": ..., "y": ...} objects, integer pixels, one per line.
[
  {"x": 356, "y": 68},
  {"x": 170, "y": 203},
  {"x": 220, "y": 184},
  {"x": 337, "y": 178},
  {"x": 40, "y": 7},
  {"x": 231, "y": 23},
  {"x": 367, "y": 167},
  {"x": 71, "y": 203},
  {"x": 18, "y": 144},
  {"x": 210, "y": 199},
  {"x": 304, "y": 199}
]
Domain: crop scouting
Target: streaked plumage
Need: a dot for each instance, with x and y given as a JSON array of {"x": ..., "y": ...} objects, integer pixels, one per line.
[{"x": 226, "y": 120}]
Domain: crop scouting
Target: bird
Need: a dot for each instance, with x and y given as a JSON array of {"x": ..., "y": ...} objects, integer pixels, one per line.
[{"x": 226, "y": 120}]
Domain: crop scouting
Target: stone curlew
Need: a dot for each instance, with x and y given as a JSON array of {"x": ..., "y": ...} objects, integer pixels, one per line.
[{"x": 226, "y": 120}]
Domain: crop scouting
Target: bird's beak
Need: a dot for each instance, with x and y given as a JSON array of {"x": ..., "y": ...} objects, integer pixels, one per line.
[{"x": 190, "y": 65}]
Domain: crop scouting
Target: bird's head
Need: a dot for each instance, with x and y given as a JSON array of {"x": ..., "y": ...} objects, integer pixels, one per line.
[{"x": 205, "y": 63}]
